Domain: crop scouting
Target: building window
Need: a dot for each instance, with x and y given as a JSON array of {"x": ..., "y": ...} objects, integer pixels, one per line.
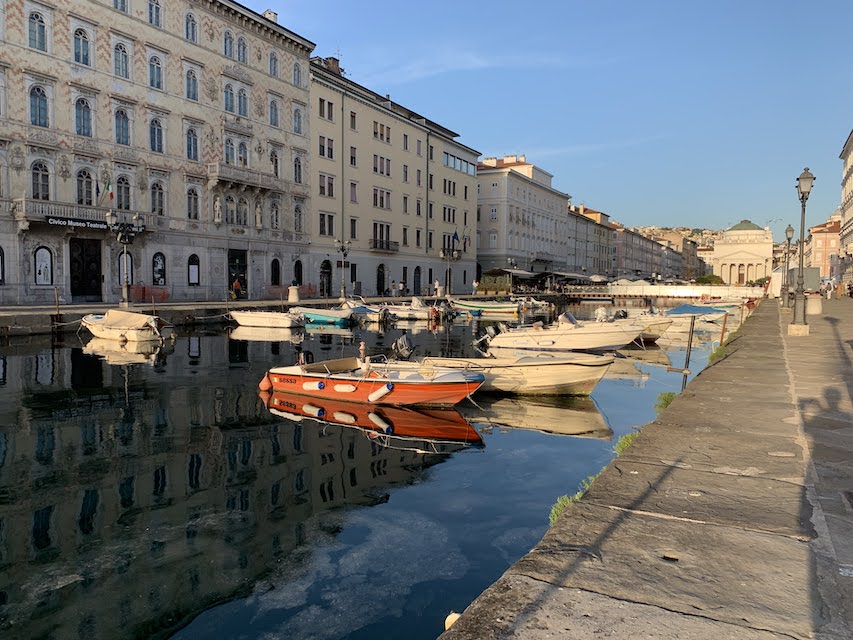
[
  {"x": 242, "y": 211},
  {"x": 327, "y": 148},
  {"x": 229, "y": 98},
  {"x": 38, "y": 107},
  {"x": 353, "y": 160},
  {"x": 155, "y": 130},
  {"x": 417, "y": 237},
  {"x": 38, "y": 32},
  {"x": 190, "y": 28},
  {"x": 123, "y": 193},
  {"x": 192, "y": 145},
  {"x": 192, "y": 85},
  {"x": 229, "y": 151},
  {"x": 274, "y": 113},
  {"x": 297, "y": 219},
  {"x": 327, "y": 224},
  {"x": 353, "y": 192},
  {"x": 83, "y": 117},
  {"x": 228, "y": 44},
  {"x": 297, "y": 75},
  {"x": 192, "y": 204},
  {"x": 381, "y": 198},
  {"x": 297, "y": 121},
  {"x": 158, "y": 269},
  {"x": 41, "y": 181},
  {"x": 242, "y": 50},
  {"x": 352, "y": 120},
  {"x": 121, "y": 67},
  {"x": 493, "y": 240},
  {"x": 273, "y": 64},
  {"x": 84, "y": 188},
  {"x": 274, "y": 163},
  {"x": 275, "y": 216},
  {"x": 405, "y": 236},
  {"x": 155, "y": 72},
  {"x": 43, "y": 265},
  {"x": 193, "y": 275},
  {"x": 242, "y": 155},
  {"x": 326, "y": 109},
  {"x": 155, "y": 13},
  {"x": 327, "y": 185},
  {"x": 353, "y": 229},
  {"x": 243, "y": 103},
  {"x": 405, "y": 204},
  {"x": 405, "y": 142},
  {"x": 381, "y": 132},
  {"x": 297, "y": 170},
  {"x": 121, "y": 5},
  {"x": 81, "y": 47},
  {"x": 230, "y": 210},
  {"x": 158, "y": 199}
]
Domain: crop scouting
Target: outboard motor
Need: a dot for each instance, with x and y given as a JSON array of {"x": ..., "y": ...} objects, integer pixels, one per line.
[
  {"x": 403, "y": 347},
  {"x": 622, "y": 314},
  {"x": 601, "y": 314}
]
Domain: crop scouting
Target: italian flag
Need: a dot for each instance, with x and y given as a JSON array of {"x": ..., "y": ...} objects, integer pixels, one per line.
[{"x": 109, "y": 188}]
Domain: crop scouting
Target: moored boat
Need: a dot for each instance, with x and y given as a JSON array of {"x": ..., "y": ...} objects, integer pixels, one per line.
[
  {"x": 274, "y": 319},
  {"x": 415, "y": 310},
  {"x": 117, "y": 324},
  {"x": 317, "y": 315},
  {"x": 366, "y": 312},
  {"x": 354, "y": 380},
  {"x": 485, "y": 307}
]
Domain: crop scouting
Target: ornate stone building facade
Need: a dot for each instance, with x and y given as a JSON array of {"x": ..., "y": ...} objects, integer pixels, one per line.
[
  {"x": 186, "y": 120},
  {"x": 744, "y": 253}
]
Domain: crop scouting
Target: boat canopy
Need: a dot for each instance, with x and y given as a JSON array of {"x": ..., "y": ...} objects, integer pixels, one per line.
[{"x": 128, "y": 319}]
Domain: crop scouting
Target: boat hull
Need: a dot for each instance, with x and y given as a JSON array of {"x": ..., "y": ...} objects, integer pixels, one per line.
[
  {"x": 271, "y": 319},
  {"x": 138, "y": 327},
  {"x": 486, "y": 307},
  {"x": 335, "y": 317},
  {"x": 590, "y": 337}
]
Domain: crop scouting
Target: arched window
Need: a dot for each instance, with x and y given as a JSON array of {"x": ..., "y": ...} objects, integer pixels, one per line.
[
  {"x": 243, "y": 103},
  {"x": 229, "y": 151},
  {"x": 242, "y": 155},
  {"x": 242, "y": 212},
  {"x": 297, "y": 121},
  {"x": 84, "y": 188},
  {"x": 122, "y": 193},
  {"x": 190, "y": 28},
  {"x": 158, "y": 269},
  {"x": 275, "y": 272},
  {"x": 297, "y": 75},
  {"x": 274, "y": 162},
  {"x": 83, "y": 117},
  {"x": 273, "y": 64},
  {"x": 274, "y": 113},
  {"x": 192, "y": 144},
  {"x": 275, "y": 217},
  {"x": 229, "y": 98},
  {"x": 242, "y": 50},
  {"x": 41, "y": 181},
  {"x": 81, "y": 47},
  {"x": 192, "y": 85},
  {"x": 121, "y": 67},
  {"x": 155, "y": 130},
  {"x": 297, "y": 218},
  {"x": 38, "y": 32},
  {"x": 122, "y": 127},
  {"x": 155, "y": 72},
  {"x": 158, "y": 199},
  {"x": 193, "y": 275},
  {"x": 155, "y": 13},
  {"x": 228, "y": 44},
  {"x": 38, "y": 107},
  {"x": 297, "y": 275},
  {"x": 297, "y": 170},
  {"x": 192, "y": 204},
  {"x": 230, "y": 210},
  {"x": 43, "y": 259}
]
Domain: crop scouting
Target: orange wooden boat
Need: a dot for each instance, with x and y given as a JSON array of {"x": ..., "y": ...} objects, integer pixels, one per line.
[
  {"x": 429, "y": 429},
  {"x": 354, "y": 380}
]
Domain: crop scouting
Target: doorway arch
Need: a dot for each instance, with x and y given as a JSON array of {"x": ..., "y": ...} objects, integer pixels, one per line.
[
  {"x": 325, "y": 279},
  {"x": 380, "y": 280},
  {"x": 416, "y": 282},
  {"x": 297, "y": 272}
]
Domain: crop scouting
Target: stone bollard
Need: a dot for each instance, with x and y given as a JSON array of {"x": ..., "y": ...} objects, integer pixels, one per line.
[
  {"x": 814, "y": 305},
  {"x": 293, "y": 294}
]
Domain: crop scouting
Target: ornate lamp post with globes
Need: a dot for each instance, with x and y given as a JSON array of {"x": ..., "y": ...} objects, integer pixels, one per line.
[
  {"x": 447, "y": 255},
  {"x": 800, "y": 327},
  {"x": 344, "y": 248},
  {"x": 125, "y": 233}
]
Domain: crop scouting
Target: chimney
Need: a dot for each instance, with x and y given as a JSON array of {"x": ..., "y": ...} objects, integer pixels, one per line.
[
  {"x": 271, "y": 15},
  {"x": 333, "y": 65},
  {"x": 582, "y": 210}
]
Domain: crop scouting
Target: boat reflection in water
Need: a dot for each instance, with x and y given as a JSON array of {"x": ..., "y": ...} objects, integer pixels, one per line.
[
  {"x": 114, "y": 352},
  {"x": 650, "y": 354},
  {"x": 268, "y": 334},
  {"x": 566, "y": 416},
  {"x": 421, "y": 430}
]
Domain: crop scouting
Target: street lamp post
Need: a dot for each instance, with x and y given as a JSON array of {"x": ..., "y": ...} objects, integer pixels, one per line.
[
  {"x": 786, "y": 298},
  {"x": 447, "y": 255},
  {"x": 512, "y": 265},
  {"x": 125, "y": 233},
  {"x": 804, "y": 187},
  {"x": 344, "y": 248}
]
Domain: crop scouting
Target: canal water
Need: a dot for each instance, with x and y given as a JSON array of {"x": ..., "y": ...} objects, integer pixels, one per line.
[{"x": 155, "y": 495}]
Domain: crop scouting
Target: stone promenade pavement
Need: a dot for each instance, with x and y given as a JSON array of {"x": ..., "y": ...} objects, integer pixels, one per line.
[{"x": 730, "y": 517}]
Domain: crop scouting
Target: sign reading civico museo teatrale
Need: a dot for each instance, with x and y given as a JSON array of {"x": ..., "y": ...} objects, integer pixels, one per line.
[{"x": 76, "y": 222}]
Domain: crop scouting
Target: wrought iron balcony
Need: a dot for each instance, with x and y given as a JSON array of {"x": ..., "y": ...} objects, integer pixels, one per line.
[
  {"x": 384, "y": 246},
  {"x": 28, "y": 210},
  {"x": 221, "y": 172}
]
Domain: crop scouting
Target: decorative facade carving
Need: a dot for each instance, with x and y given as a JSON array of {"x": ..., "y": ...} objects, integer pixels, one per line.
[
  {"x": 211, "y": 88},
  {"x": 238, "y": 73},
  {"x": 17, "y": 159},
  {"x": 63, "y": 167}
]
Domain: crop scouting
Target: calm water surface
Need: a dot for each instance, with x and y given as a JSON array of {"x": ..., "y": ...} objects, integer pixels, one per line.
[{"x": 154, "y": 495}]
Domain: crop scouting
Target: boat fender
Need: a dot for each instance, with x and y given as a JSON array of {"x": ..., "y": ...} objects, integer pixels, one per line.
[
  {"x": 265, "y": 384},
  {"x": 380, "y": 422},
  {"x": 345, "y": 388},
  {"x": 265, "y": 398},
  {"x": 313, "y": 386},
  {"x": 346, "y": 418},
  {"x": 381, "y": 392},
  {"x": 313, "y": 410}
]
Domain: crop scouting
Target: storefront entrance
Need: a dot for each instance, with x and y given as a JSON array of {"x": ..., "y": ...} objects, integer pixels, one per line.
[
  {"x": 85, "y": 270},
  {"x": 237, "y": 260}
]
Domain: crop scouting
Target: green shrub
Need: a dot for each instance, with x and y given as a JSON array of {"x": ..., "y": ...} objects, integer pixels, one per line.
[
  {"x": 624, "y": 442},
  {"x": 564, "y": 501},
  {"x": 664, "y": 400}
]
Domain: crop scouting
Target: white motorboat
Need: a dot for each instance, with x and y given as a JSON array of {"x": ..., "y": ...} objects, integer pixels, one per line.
[
  {"x": 272, "y": 319},
  {"x": 317, "y": 315},
  {"x": 486, "y": 307},
  {"x": 415, "y": 310},
  {"x": 652, "y": 327},
  {"x": 129, "y": 326},
  {"x": 567, "y": 335},
  {"x": 366, "y": 312}
]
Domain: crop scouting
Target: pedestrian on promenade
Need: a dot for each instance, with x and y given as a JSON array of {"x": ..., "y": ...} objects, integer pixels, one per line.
[
  {"x": 236, "y": 288},
  {"x": 474, "y": 286},
  {"x": 393, "y": 288},
  {"x": 839, "y": 290},
  {"x": 401, "y": 286},
  {"x": 435, "y": 287}
]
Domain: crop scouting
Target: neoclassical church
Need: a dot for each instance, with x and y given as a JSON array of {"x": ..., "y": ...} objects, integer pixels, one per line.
[{"x": 744, "y": 253}]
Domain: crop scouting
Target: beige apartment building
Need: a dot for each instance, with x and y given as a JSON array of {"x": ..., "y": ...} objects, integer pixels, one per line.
[
  {"x": 845, "y": 239},
  {"x": 188, "y": 121},
  {"x": 822, "y": 247},
  {"x": 522, "y": 219},
  {"x": 394, "y": 194},
  {"x": 591, "y": 242}
]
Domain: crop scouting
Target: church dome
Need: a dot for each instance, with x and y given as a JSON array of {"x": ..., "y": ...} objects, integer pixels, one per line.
[{"x": 746, "y": 225}]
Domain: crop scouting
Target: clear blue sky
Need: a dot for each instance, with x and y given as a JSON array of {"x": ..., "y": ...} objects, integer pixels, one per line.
[{"x": 669, "y": 112}]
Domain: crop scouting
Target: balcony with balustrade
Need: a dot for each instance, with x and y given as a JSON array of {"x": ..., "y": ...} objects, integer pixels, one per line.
[
  {"x": 384, "y": 246},
  {"x": 27, "y": 211},
  {"x": 229, "y": 174}
]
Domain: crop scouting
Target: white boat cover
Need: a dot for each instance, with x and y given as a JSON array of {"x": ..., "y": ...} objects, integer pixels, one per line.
[{"x": 118, "y": 319}]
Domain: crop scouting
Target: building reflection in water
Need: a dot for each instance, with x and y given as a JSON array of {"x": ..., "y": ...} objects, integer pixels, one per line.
[{"x": 134, "y": 496}]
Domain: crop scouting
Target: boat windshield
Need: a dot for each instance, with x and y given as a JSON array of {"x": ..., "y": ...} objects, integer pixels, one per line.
[{"x": 567, "y": 318}]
